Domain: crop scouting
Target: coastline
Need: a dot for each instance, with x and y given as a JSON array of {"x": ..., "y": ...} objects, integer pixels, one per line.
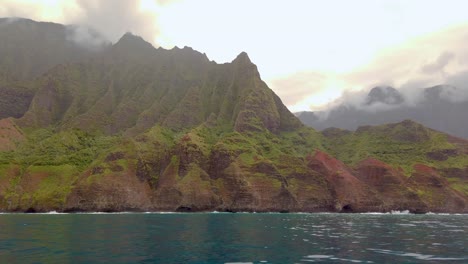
[{"x": 392, "y": 212}]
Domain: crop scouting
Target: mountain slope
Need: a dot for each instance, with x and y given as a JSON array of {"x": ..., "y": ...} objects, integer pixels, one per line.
[
  {"x": 428, "y": 162},
  {"x": 145, "y": 129},
  {"x": 133, "y": 86},
  {"x": 29, "y": 49}
]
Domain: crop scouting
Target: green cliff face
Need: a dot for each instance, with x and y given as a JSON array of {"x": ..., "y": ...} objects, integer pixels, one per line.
[
  {"x": 131, "y": 87},
  {"x": 139, "y": 128}
]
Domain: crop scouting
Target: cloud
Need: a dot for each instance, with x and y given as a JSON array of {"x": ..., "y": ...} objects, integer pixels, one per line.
[
  {"x": 17, "y": 9},
  {"x": 85, "y": 37},
  {"x": 111, "y": 19},
  {"x": 114, "y": 18},
  {"x": 433, "y": 59},
  {"x": 460, "y": 82},
  {"x": 439, "y": 64},
  {"x": 295, "y": 88}
]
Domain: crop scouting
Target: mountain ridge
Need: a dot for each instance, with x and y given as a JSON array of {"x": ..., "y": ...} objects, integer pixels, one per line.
[{"x": 168, "y": 130}]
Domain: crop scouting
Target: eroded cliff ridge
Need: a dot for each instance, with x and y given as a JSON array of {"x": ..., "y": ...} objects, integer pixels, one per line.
[{"x": 135, "y": 128}]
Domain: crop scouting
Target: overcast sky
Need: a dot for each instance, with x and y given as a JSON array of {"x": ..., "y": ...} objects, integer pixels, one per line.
[{"x": 309, "y": 52}]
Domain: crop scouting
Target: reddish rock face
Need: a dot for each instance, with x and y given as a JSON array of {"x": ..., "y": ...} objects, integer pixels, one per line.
[
  {"x": 351, "y": 194},
  {"x": 379, "y": 174},
  {"x": 326, "y": 184},
  {"x": 376, "y": 186},
  {"x": 390, "y": 183},
  {"x": 435, "y": 190},
  {"x": 114, "y": 192}
]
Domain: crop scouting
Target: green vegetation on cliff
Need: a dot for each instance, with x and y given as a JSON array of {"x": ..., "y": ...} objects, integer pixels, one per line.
[{"x": 401, "y": 145}]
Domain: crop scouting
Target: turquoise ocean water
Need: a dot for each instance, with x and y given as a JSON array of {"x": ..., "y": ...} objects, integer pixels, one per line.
[{"x": 233, "y": 238}]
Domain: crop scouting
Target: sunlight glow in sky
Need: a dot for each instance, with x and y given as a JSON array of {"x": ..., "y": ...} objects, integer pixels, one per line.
[{"x": 309, "y": 52}]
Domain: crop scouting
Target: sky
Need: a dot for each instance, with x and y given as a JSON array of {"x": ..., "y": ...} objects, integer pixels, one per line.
[{"x": 311, "y": 53}]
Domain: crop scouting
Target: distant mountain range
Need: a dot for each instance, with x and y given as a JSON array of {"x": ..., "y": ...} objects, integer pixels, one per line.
[
  {"x": 434, "y": 108},
  {"x": 86, "y": 125}
]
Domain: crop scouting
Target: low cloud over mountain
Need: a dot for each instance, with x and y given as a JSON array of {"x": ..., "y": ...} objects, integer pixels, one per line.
[
  {"x": 110, "y": 18},
  {"x": 441, "y": 107}
]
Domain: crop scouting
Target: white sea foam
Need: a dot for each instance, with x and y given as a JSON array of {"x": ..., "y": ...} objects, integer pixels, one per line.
[
  {"x": 55, "y": 212},
  {"x": 400, "y": 212},
  {"x": 45, "y": 213}
]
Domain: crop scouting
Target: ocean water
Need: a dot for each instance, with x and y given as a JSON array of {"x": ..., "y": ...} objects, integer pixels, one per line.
[{"x": 233, "y": 238}]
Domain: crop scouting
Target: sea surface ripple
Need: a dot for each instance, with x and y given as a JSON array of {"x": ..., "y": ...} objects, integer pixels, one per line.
[{"x": 233, "y": 238}]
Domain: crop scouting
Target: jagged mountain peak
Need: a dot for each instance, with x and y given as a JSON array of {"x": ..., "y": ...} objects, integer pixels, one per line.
[
  {"x": 245, "y": 66},
  {"x": 243, "y": 57},
  {"x": 133, "y": 42},
  {"x": 188, "y": 53},
  {"x": 384, "y": 94},
  {"x": 129, "y": 36}
]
